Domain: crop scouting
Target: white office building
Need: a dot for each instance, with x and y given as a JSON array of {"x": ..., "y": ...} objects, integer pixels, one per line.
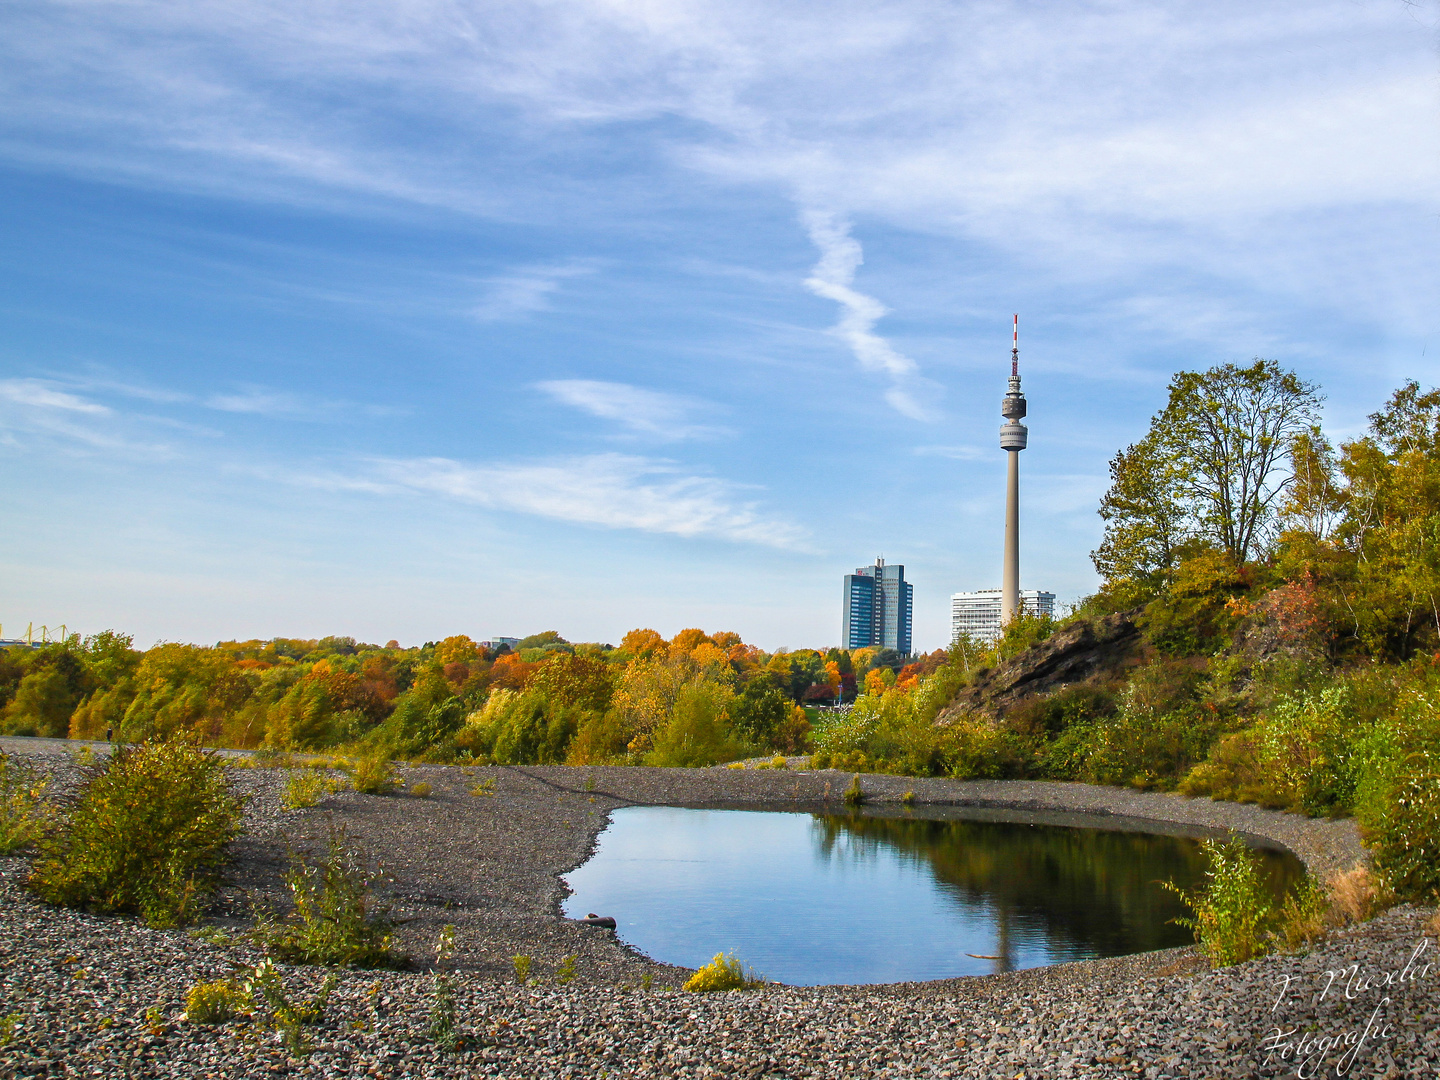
[{"x": 978, "y": 613}]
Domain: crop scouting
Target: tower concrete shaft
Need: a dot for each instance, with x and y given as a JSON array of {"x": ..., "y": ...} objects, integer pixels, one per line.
[
  {"x": 1014, "y": 437},
  {"x": 1010, "y": 581}
]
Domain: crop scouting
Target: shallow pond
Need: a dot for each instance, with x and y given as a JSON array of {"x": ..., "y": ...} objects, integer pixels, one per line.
[{"x": 814, "y": 898}]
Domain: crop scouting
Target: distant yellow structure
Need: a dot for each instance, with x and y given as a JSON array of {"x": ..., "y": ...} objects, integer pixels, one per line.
[{"x": 47, "y": 635}]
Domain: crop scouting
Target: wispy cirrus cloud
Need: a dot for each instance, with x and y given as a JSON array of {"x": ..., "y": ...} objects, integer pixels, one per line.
[
  {"x": 832, "y": 278},
  {"x": 525, "y": 291},
  {"x": 640, "y": 411},
  {"x": 40, "y": 394},
  {"x": 43, "y": 410},
  {"x": 614, "y": 491}
]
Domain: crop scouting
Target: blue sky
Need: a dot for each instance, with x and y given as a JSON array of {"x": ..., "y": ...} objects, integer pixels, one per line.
[{"x": 404, "y": 320}]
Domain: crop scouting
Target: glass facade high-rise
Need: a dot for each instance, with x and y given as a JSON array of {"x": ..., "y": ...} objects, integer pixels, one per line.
[{"x": 878, "y": 604}]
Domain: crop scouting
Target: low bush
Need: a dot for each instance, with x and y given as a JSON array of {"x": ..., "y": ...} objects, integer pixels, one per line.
[
  {"x": 145, "y": 834},
  {"x": 306, "y": 787},
  {"x": 335, "y": 920},
  {"x": 421, "y": 790},
  {"x": 1234, "y": 909},
  {"x": 372, "y": 774},
  {"x": 521, "y": 964},
  {"x": 723, "y": 973},
  {"x": 22, "y": 814},
  {"x": 214, "y": 1002}
]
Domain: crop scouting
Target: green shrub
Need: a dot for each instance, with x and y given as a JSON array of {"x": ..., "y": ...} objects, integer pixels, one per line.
[
  {"x": 521, "y": 964},
  {"x": 372, "y": 774},
  {"x": 1234, "y": 909},
  {"x": 146, "y": 834},
  {"x": 854, "y": 794},
  {"x": 306, "y": 787},
  {"x": 22, "y": 816},
  {"x": 214, "y": 1002},
  {"x": 421, "y": 790},
  {"x": 335, "y": 920},
  {"x": 1405, "y": 834},
  {"x": 722, "y": 973},
  {"x": 1139, "y": 745}
]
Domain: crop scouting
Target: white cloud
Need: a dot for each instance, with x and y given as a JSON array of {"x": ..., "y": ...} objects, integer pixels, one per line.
[
  {"x": 644, "y": 412},
  {"x": 33, "y": 412},
  {"x": 524, "y": 292},
  {"x": 831, "y": 278},
  {"x": 614, "y": 491},
  {"x": 258, "y": 400},
  {"x": 39, "y": 394}
]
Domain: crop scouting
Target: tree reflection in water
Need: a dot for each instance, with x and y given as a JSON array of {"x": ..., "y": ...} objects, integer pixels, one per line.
[{"x": 1084, "y": 892}]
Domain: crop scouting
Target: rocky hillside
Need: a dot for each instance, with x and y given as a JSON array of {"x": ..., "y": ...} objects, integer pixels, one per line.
[{"x": 1094, "y": 651}]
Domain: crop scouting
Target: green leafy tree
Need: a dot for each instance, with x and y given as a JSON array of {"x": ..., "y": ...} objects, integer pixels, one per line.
[
  {"x": 1145, "y": 520},
  {"x": 56, "y": 680},
  {"x": 1212, "y": 469}
]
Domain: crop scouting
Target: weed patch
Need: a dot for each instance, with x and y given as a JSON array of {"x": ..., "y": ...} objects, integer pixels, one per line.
[
  {"x": 724, "y": 972},
  {"x": 335, "y": 920},
  {"x": 214, "y": 1002},
  {"x": 441, "y": 1028},
  {"x": 565, "y": 974},
  {"x": 290, "y": 1018},
  {"x": 522, "y": 969}
]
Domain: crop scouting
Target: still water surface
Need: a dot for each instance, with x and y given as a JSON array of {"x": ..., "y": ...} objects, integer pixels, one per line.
[{"x": 813, "y": 899}]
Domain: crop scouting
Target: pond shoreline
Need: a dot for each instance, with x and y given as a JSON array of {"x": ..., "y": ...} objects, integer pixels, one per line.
[{"x": 491, "y": 864}]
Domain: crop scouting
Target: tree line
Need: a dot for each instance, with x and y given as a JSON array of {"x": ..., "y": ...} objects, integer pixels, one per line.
[{"x": 696, "y": 698}]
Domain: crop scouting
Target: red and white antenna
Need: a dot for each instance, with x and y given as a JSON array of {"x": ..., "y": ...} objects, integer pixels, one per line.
[{"x": 1015, "y": 349}]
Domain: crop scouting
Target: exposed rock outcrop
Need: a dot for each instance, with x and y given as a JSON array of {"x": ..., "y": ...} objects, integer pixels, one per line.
[{"x": 1095, "y": 651}]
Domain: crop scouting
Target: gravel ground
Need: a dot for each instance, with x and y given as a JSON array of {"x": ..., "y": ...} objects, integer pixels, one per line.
[{"x": 90, "y": 996}]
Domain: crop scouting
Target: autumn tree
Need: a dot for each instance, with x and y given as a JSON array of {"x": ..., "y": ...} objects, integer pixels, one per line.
[{"x": 1391, "y": 526}]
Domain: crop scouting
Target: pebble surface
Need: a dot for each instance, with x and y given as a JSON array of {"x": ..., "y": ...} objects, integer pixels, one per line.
[{"x": 82, "y": 995}]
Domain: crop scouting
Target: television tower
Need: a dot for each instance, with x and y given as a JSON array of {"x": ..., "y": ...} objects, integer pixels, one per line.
[{"x": 1013, "y": 438}]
